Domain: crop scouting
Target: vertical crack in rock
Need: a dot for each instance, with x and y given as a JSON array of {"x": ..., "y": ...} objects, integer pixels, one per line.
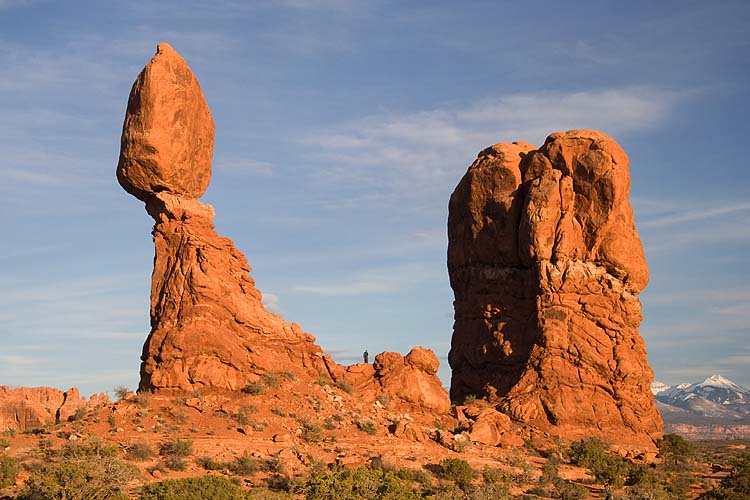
[{"x": 546, "y": 266}]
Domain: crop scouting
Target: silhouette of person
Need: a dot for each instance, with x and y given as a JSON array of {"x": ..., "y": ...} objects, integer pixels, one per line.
[{"x": 366, "y": 356}]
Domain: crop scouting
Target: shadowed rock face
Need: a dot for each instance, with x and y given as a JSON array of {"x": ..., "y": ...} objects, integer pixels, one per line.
[
  {"x": 209, "y": 328},
  {"x": 546, "y": 266}
]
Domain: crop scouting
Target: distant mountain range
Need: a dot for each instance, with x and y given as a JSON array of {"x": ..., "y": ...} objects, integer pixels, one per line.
[{"x": 714, "y": 408}]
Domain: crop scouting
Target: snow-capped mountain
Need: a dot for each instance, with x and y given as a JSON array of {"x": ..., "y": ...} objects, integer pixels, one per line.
[{"x": 716, "y": 400}]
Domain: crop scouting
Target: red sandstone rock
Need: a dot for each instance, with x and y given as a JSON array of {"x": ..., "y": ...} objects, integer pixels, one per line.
[
  {"x": 209, "y": 328},
  {"x": 168, "y": 135},
  {"x": 546, "y": 265},
  {"x": 26, "y": 408}
]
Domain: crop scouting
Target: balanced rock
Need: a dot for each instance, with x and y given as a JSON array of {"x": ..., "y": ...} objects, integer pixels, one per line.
[
  {"x": 208, "y": 324},
  {"x": 546, "y": 266},
  {"x": 168, "y": 136}
]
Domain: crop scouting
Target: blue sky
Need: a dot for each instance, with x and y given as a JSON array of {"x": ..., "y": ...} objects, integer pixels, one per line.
[{"x": 342, "y": 127}]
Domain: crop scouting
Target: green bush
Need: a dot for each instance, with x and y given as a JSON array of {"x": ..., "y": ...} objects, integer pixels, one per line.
[
  {"x": 457, "y": 470},
  {"x": 674, "y": 448},
  {"x": 180, "y": 448},
  {"x": 8, "y": 471},
  {"x": 609, "y": 470},
  {"x": 93, "y": 447},
  {"x": 244, "y": 466},
  {"x": 4, "y": 443},
  {"x": 210, "y": 463},
  {"x": 363, "y": 483},
  {"x": 194, "y": 488},
  {"x": 80, "y": 479},
  {"x": 140, "y": 452},
  {"x": 312, "y": 433},
  {"x": 367, "y": 425}
]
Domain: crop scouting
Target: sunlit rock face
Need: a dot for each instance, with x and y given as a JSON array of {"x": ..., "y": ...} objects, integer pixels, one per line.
[
  {"x": 546, "y": 265},
  {"x": 208, "y": 324}
]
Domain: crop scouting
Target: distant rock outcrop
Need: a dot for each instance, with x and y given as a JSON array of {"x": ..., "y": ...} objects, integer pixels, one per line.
[
  {"x": 209, "y": 328},
  {"x": 546, "y": 266},
  {"x": 26, "y": 408}
]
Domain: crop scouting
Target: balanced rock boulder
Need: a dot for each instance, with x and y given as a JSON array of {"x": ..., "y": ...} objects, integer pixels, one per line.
[
  {"x": 208, "y": 324},
  {"x": 546, "y": 266}
]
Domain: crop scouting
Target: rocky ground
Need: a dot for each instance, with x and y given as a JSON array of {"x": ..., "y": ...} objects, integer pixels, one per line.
[{"x": 283, "y": 429}]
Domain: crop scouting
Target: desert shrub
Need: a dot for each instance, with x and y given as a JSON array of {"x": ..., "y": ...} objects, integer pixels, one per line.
[
  {"x": 80, "y": 479},
  {"x": 4, "y": 443},
  {"x": 270, "y": 379},
  {"x": 142, "y": 399},
  {"x": 140, "y": 452},
  {"x": 175, "y": 463},
  {"x": 79, "y": 413},
  {"x": 244, "y": 466},
  {"x": 344, "y": 386},
  {"x": 674, "y": 448},
  {"x": 178, "y": 448},
  {"x": 457, "y": 470},
  {"x": 8, "y": 471},
  {"x": 274, "y": 464},
  {"x": 609, "y": 470},
  {"x": 363, "y": 483},
  {"x": 194, "y": 488},
  {"x": 490, "y": 491},
  {"x": 254, "y": 388},
  {"x": 446, "y": 491},
  {"x": 94, "y": 447},
  {"x": 210, "y": 463},
  {"x": 121, "y": 392},
  {"x": 312, "y": 433},
  {"x": 323, "y": 380},
  {"x": 367, "y": 425}
]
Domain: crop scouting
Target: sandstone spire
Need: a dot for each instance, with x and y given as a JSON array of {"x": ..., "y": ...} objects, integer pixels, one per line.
[{"x": 546, "y": 266}]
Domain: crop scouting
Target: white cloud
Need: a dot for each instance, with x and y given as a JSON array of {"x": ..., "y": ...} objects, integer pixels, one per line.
[
  {"x": 374, "y": 281},
  {"x": 429, "y": 149},
  {"x": 688, "y": 216},
  {"x": 271, "y": 302}
]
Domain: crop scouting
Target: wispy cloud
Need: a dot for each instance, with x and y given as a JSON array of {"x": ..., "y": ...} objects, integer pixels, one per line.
[
  {"x": 271, "y": 302},
  {"x": 374, "y": 281},
  {"x": 430, "y": 148},
  {"x": 249, "y": 167},
  {"x": 695, "y": 215}
]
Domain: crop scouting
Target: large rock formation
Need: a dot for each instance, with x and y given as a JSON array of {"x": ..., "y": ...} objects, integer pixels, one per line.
[
  {"x": 209, "y": 328},
  {"x": 546, "y": 266},
  {"x": 208, "y": 324},
  {"x": 26, "y": 408}
]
